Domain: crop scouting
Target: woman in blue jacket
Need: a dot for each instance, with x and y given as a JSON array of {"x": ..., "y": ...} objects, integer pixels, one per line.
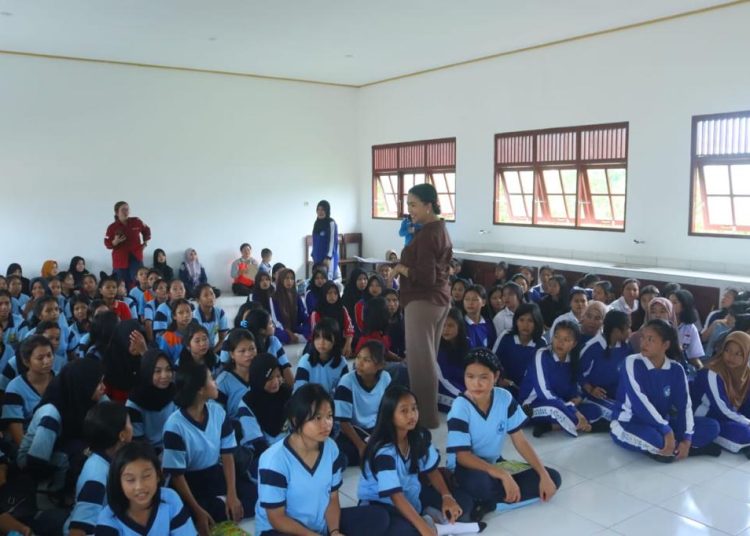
[{"x": 325, "y": 244}]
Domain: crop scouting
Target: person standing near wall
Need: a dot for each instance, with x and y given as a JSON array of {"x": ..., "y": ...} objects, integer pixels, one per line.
[
  {"x": 425, "y": 295},
  {"x": 325, "y": 240},
  {"x": 123, "y": 237}
]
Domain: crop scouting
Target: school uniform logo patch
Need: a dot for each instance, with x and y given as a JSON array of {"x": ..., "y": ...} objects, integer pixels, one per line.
[
  {"x": 667, "y": 391},
  {"x": 501, "y": 428}
]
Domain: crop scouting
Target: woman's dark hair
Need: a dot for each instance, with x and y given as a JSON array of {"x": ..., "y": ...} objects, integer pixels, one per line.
[
  {"x": 200, "y": 288},
  {"x": 103, "y": 328},
  {"x": 484, "y": 357},
  {"x": 628, "y": 281},
  {"x": 173, "y": 308},
  {"x": 668, "y": 334},
  {"x": 103, "y": 424},
  {"x": 575, "y": 353},
  {"x": 649, "y": 289},
  {"x": 107, "y": 279},
  {"x": 157, "y": 252},
  {"x": 607, "y": 288},
  {"x": 687, "y": 315},
  {"x": 426, "y": 193},
  {"x": 377, "y": 351},
  {"x": 519, "y": 275},
  {"x": 351, "y": 293},
  {"x": 27, "y": 348},
  {"x": 515, "y": 288},
  {"x": 44, "y": 325},
  {"x": 305, "y": 403},
  {"x": 210, "y": 359},
  {"x": 563, "y": 298},
  {"x": 233, "y": 340},
  {"x": 385, "y": 433},
  {"x": 190, "y": 380},
  {"x": 287, "y": 300},
  {"x": 536, "y": 315},
  {"x": 376, "y": 316},
  {"x": 245, "y": 244},
  {"x": 577, "y": 290},
  {"x": 257, "y": 321},
  {"x": 74, "y": 262},
  {"x": 329, "y": 329},
  {"x": 275, "y": 269},
  {"x": 459, "y": 281},
  {"x": 12, "y": 268},
  {"x": 588, "y": 279},
  {"x": 374, "y": 277},
  {"x": 491, "y": 292},
  {"x": 242, "y": 311},
  {"x": 457, "y": 349},
  {"x": 742, "y": 322},
  {"x": 613, "y": 320},
  {"x": 39, "y": 305},
  {"x": 669, "y": 289},
  {"x": 259, "y": 295},
  {"x": 42, "y": 282},
  {"x": 125, "y": 455},
  {"x": 118, "y": 205}
]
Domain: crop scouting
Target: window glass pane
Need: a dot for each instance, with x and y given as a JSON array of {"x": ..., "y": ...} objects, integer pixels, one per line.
[
  {"x": 511, "y": 181},
  {"x": 557, "y": 207},
  {"x": 570, "y": 201},
  {"x": 602, "y": 211},
  {"x": 741, "y": 179},
  {"x": 720, "y": 210},
  {"x": 446, "y": 205},
  {"x": 618, "y": 203},
  {"x": 617, "y": 180},
  {"x": 717, "y": 180},
  {"x": 385, "y": 196},
  {"x": 570, "y": 180},
  {"x": 529, "y": 204},
  {"x": 438, "y": 181},
  {"x": 527, "y": 182},
  {"x": 517, "y": 206},
  {"x": 552, "y": 181},
  {"x": 451, "y": 180},
  {"x": 597, "y": 181},
  {"x": 742, "y": 211}
]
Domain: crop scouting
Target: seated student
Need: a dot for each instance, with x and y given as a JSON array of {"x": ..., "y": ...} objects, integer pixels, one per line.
[
  {"x": 37, "y": 291},
  {"x": 54, "y": 439},
  {"x": 512, "y": 298},
  {"x": 521, "y": 280},
  {"x": 77, "y": 268},
  {"x": 690, "y": 339},
  {"x": 374, "y": 288},
  {"x": 357, "y": 398},
  {"x": 645, "y": 295},
  {"x": 80, "y": 325},
  {"x": 628, "y": 301},
  {"x": 259, "y": 323},
  {"x": 171, "y": 340},
  {"x": 121, "y": 357},
  {"x": 385, "y": 271},
  {"x": 494, "y": 302},
  {"x": 479, "y": 330},
  {"x": 375, "y": 327},
  {"x": 556, "y": 300},
  {"x": 659, "y": 308},
  {"x": 720, "y": 391},
  {"x": 354, "y": 289},
  {"x": 323, "y": 364},
  {"x": 396, "y": 329},
  {"x": 516, "y": 348},
  {"x": 314, "y": 292},
  {"x": 243, "y": 271},
  {"x": 602, "y": 359},
  {"x": 550, "y": 386},
  {"x": 727, "y": 299},
  {"x": 604, "y": 292},
  {"x": 592, "y": 320},
  {"x": 478, "y": 423},
  {"x": 161, "y": 296},
  {"x": 266, "y": 397},
  {"x": 124, "y": 297},
  {"x": 139, "y": 292},
  {"x": 108, "y": 293},
  {"x": 47, "y": 310},
  {"x": 55, "y": 290},
  {"x": 299, "y": 477},
  {"x": 13, "y": 325},
  {"x": 198, "y": 453},
  {"x": 51, "y": 331},
  {"x": 106, "y": 428},
  {"x": 265, "y": 261},
  {"x": 196, "y": 349},
  {"x": 161, "y": 266},
  {"x": 331, "y": 306},
  {"x": 458, "y": 288},
  {"x": 26, "y": 390},
  {"x": 719, "y": 329},
  {"x": 578, "y": 302},
  {"x": 192, "y": 272},
  {"x": 90, "y": 288},
  {"x": 654, "y": 412},
  {"x": 538, "y": 292},
  {"x": 399, "y": 454},
  {"x": 7, "y": 354},
  {"x": 136, "y": 503},
  {"x": 151, "y": 401},
  {"x": 262, "y": 290},
  {"x": 454, "y": 345},
  {"x": 67, "y": 281},
  {"x": 234, "y": 381},
  {"x": 288, "y": 310},
  {"x": 163, "y": 313},
  {"x": 213, "y": 318},
  {"x": 18, "y": 299}
]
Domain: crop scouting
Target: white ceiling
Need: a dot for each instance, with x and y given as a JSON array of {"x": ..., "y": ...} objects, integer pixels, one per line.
[{"x": 351, "y": 42}]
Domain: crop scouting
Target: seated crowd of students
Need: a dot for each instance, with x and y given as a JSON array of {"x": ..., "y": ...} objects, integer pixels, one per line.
[{"x": 143, "y": 411}]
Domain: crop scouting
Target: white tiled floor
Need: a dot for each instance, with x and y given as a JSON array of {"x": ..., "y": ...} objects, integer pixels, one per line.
[{"x": 607, "y": 490}]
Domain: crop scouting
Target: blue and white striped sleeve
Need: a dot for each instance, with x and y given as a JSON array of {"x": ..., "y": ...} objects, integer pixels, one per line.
[
  {"x": 516, "y": 417},
  {"x": 161, "y": 320},
  {"x": 459, "y": 436},
  {"x": 89, "y": 503},
  {"x": 250, "y": 429},
  {"x": 384, "y": 470},
  {"x": 276, "y": 348},
  {"x": 180, "y": 520},
  {"x": 228, "y": 440},
  {"x": 430, "y": 461},
  {"x": 539, "y": 377},
  {"x": 9, "y": 372},
  {"x": 223, "y": 322},
  {"x": 343, "y": 401},
  {"x": 302, "y": 375},
  {"x": 175, "y": 457},
  {"x": 13, "y": 404},
  {"x": 717, "y": 394},
  {"x": 632, "y": 376},
  {"x": 339, "y": 464},
  {"x": 136, "y": 420},
  {"x": 43, "y": 444},
  {"x": 272, "y": 483}
]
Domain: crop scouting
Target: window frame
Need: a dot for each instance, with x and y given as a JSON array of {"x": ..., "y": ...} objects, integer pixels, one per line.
[
  {"x": 697, "y": 164},
  {"x": 400, "y": 172},
  {"x": 540, "y": 198}
]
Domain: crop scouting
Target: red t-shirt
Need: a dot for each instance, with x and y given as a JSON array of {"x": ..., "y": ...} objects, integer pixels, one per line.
[{"x": 133, "y": 229}]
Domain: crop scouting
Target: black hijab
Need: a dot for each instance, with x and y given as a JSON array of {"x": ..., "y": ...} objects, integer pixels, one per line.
[
  {"x": 71, "y": 391},
  {"x": 269, "y": 408},
  {"x": 163, "y": 268},
  {"x": 322, "y": 224},
  {"x": 77, "y": 276},
  {"x": 120, "y": 366},
  {"x": 145, "y": 393},
  {"x": 331, "y": 310},
  {"x": 262, "y": 296},
  {"x": 351, "y": 293}
]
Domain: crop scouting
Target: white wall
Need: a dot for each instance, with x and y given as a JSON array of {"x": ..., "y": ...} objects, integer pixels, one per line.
[
  {"x": 207, "y": 161},
  {"x": 656, "y": 77}
]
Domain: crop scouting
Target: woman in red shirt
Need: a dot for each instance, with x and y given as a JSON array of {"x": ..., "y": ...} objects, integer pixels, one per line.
[{"x": 123, "y": 237}]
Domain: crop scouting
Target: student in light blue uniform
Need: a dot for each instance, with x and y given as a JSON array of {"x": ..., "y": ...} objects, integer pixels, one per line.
[
  {"x": 479, "y": 422},
  {"x": 54, "y": 334},
  {"x": 260, "y": 324},
  {"x": 267, "y": 397},
  {"x": 288, "y": 310},
  {"x": 397, "y": 454},
  {"x": 234, "y": 381},
  {"x": 550, "y": 386},
  {"x": 171, "y": 340},
  {"x": 720, "y": 391},
  {"x": 80, "y": 324},
  {"x": 299, "y": 477},
  {"x": 138, "y": 292},
  {"x": 213, "y": 318},
  {"x": 137, "y": 505},
  {"x": 602, "y": 360},
  {"x": 198, "y": 452},
  {"x": 324, "y": 364},
  {"x": 25, "y": 391},
  {"x": 12, "y": 325},
  {"x": 106, "y": 429},
  {"x": 357, "y": 399},
  {"x": 654, "y": 413},
  {"x": 161, "y": 297},
  {"x": 151, "y": 401},
  {"x": 54, "y": 438},
  {"x": 163, "y": 313}
]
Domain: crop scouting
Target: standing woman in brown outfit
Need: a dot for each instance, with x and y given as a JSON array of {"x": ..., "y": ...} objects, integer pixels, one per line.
[{"x": 425, "y": 295}]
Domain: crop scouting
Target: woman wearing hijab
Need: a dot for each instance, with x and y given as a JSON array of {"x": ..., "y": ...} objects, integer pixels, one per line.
[
  {"x": 78, "y": 269},
  {"x": 657, "y": 308},
  {"x": 160, "y": 265},
  {"x": 151, "y": 401},
  {"x": 720, "y": 391},
  {"x": 354, "y": 290},
  {"x": 192, "y": 272},
  {"x": 267, "y": 396},
  {"x": 331, "y": 306},
  {"x": 15, "y": 269},
  {"x": 325, "y": 242}
]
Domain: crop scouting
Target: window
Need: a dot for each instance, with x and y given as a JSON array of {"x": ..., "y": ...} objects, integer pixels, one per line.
[
  {"x": 720, "y": 182},
  {"x": 563, "y": 177},
  {"x": 399, "y": 166}
]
